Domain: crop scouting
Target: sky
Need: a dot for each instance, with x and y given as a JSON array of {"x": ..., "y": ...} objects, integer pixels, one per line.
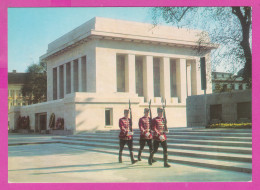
[{"x": 30, "y": 30}]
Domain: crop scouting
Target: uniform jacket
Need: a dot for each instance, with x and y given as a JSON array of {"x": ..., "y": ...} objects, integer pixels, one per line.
[
  {"x": 145, "y": 127},
  {"x": 158, "y": 128},
  {"x": 124, "y": 125}
]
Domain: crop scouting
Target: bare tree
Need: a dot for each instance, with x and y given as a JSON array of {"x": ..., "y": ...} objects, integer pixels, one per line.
[{"x": 230, "y": 27}]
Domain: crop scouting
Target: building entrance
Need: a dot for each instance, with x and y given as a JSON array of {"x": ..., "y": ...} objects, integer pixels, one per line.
[{"x": 41, "y": 122}]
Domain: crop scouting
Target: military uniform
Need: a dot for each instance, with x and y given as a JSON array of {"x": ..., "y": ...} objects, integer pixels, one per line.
[
  {"x": 159, "y": 137},
  {"x": 125, "y": 138},
  {"x": 146, "y": 135}
]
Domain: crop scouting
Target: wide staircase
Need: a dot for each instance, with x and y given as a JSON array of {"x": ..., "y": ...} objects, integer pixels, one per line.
[{"x": 227, "y": 149}]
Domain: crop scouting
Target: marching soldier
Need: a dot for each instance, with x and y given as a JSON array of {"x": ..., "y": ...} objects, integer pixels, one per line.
[
  {"x": 159, "y": 136},
  {"x": 145, "y": 136},
  {"x": 126, "y": 136}
]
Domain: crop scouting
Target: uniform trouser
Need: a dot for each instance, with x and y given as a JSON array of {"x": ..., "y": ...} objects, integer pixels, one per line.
[
  {"x": 128, "y": 142},
  {"x": 156, "y": 146},
  {"x": 142, "y": 144},
  {"x": 130, "y": 147},
  {"x": 149, "y": 143}
]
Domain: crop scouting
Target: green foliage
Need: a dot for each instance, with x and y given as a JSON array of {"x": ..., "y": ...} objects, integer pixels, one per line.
[{"x": 35, "y": 88}]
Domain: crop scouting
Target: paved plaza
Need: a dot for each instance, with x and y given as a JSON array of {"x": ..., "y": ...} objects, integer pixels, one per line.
[{"x": 55, "y": 162}]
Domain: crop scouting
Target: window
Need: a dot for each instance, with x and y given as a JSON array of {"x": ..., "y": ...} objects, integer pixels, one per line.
[
  {"x": 108, "y": 116},
  {"x": 225, "y": 87}
]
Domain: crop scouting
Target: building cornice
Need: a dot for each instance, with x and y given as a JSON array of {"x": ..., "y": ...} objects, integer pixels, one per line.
[{"x": 102, "y": 35}]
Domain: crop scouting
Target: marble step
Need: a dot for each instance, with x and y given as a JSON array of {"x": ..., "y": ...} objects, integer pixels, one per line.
[
  {"x": 197, "y": 162},
  {"x": 173, "y": 136},
  {"x": 174, "y": 140},
  {"x": 193, "y": 133},
  {"x": 229, "y": 149},
  {"x": 172, "y": 151}
]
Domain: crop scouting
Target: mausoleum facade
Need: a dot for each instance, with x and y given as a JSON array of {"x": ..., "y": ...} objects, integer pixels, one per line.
[{"x": 94, "y": 70}]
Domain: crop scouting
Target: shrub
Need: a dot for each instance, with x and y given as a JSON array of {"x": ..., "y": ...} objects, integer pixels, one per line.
[{"x": 230, "y": 125}]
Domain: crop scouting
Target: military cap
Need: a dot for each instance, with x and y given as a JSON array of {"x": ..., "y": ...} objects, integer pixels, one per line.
[
  {"x": 126, "y": 111},
  {"x": 159, "y": 110},
  {"x": 146, "y": 109}
]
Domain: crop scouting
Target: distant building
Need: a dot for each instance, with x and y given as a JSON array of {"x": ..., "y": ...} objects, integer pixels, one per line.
[
  {"x": 15, "y": 84},
  {"x": 224, "y": 82}
]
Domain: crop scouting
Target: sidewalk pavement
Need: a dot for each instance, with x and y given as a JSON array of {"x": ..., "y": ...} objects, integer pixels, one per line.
[
  {"x": 62, "y": 163},
  {"x": 21, "y": 139}
]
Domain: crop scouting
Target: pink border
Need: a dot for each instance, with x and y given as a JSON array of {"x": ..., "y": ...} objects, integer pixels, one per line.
[{"x": 4, "y": 4}]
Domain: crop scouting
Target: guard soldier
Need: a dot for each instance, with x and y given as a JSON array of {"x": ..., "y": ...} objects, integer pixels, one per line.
[
  {"x": 145, "y": 136},
  {"x": 159, "y": 137},
  {"x": 126, "y": 136}
]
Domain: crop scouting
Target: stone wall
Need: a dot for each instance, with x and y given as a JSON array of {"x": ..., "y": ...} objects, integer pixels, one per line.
[{"x": 228, "y": 100}]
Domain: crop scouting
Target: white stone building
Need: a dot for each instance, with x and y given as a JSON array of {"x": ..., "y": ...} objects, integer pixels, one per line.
[
  {"x": 224, "y": 82},
  {"x": 96, "y": 68}
]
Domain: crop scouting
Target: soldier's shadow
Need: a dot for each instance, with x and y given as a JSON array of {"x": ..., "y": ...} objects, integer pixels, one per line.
[{"x": 116, "y": 165}]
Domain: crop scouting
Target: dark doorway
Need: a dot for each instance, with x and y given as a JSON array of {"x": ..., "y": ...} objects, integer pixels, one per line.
[{"x": 40, "y": 122}]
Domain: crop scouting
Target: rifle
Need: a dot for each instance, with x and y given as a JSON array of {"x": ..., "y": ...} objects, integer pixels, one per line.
[
  {"x": 150, "y": 109},
  {"x": 130, "y": 110},
  {"x": 150, "y": 116},
  {"x": 164, "y": 114}
]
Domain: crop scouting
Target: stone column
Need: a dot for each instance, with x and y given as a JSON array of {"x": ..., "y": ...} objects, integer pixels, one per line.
[
  {"x": 72, "y": 77},
  {"x": 80, "y": 73},
  {"x": 198, "y": 77},
  {"x": 165, "y": 78},
  {"x": 65, "y": 78},
  {"x": 188, "y": 78},
  {"x": 181, "y": 80},
  {"x": 130, "y": 74},
  {"x": 148, "y": 78}
]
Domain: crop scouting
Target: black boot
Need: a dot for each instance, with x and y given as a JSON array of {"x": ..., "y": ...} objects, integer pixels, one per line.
[
  {"x": 165, "y": 158},
  {"x": 139, "y": 155},
  {"x": 153, "y": 160},
  {"x": 132, "y": 158},
  {"x": 150, "y": 160},
  {"x": 120, "y": 157}
]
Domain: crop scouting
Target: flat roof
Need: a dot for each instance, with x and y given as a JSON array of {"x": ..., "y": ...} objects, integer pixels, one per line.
[{"x": 131, "y": 31}]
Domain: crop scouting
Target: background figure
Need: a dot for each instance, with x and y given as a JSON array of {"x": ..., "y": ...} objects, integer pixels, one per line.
[
  {"x": 159, "y": 136},
  {"x": 126, "y": 136}
]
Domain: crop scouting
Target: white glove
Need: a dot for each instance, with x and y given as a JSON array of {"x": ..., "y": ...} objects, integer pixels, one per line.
[
  {"x": 147, "y": 134},
  {"x": 130, "y": 133},
  {"x": 167, "y": 131},
  {"x": 162, "y": 138}
]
